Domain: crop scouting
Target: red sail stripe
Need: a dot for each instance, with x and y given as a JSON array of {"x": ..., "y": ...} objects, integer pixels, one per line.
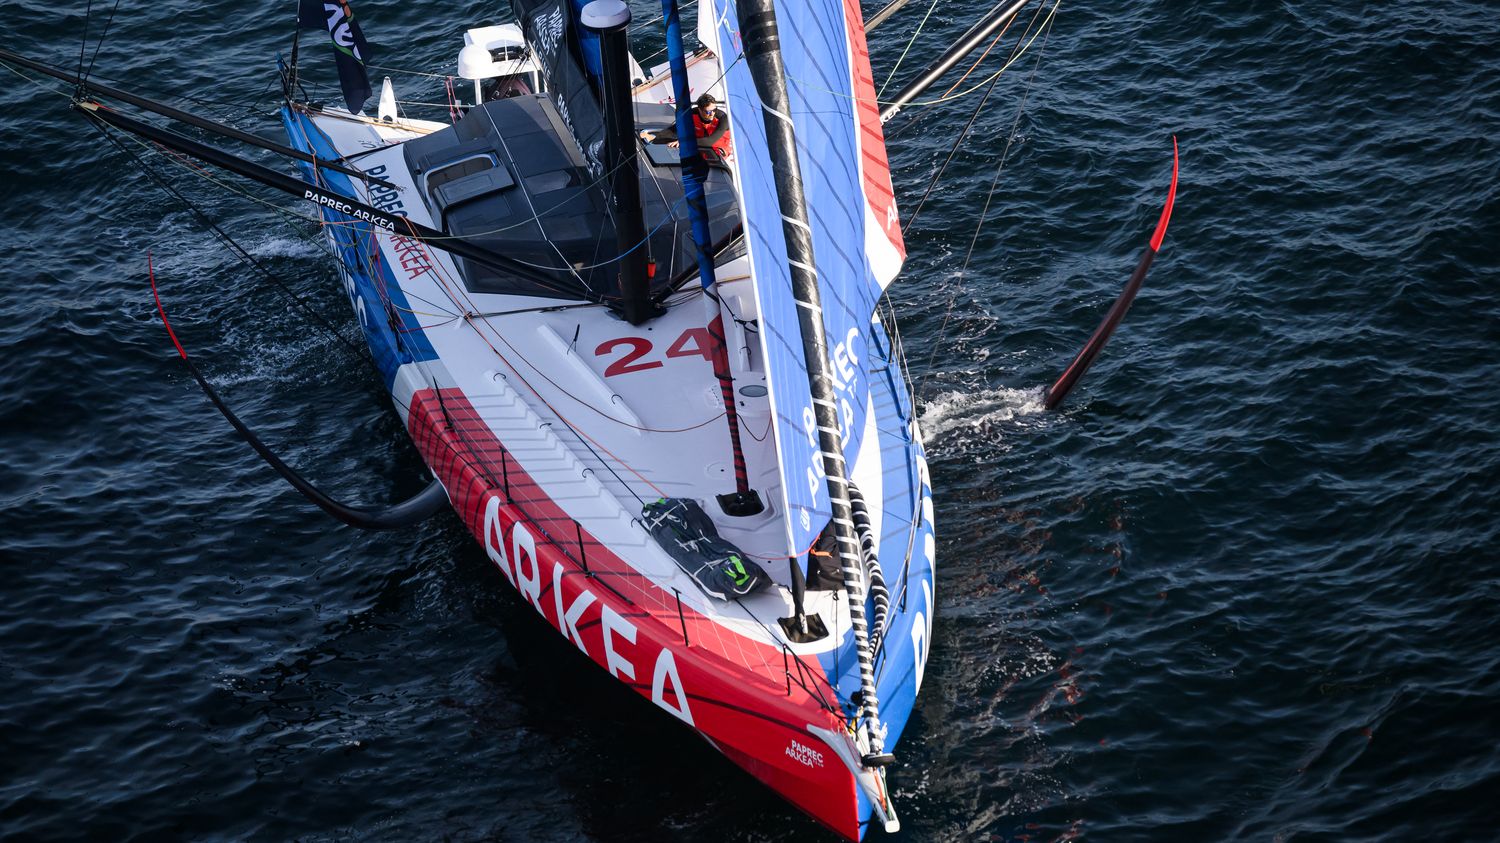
[{"x": 877, "y": 169}]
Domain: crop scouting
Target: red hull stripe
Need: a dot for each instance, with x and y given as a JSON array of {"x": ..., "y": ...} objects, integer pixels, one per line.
[{"x": 735, "y": 690}]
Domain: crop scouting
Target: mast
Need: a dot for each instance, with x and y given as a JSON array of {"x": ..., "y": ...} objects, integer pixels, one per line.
[
  {"x": 610, "y": 18},
  {"x": 762, "y": 46}
]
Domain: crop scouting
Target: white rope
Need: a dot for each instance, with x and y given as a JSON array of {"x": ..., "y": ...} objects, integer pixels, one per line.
[
  {"x": 960, "y": 95},
  {"x": 909, "y": 44}
]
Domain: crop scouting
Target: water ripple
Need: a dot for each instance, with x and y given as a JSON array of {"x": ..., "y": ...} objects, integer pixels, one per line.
[{"x": 1242, "y": 587}]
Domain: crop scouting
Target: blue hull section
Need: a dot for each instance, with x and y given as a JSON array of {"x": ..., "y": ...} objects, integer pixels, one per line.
[{"x": 391, "y": 329}]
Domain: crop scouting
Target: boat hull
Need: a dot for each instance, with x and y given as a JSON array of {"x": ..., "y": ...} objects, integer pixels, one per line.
[
  {"x": 581, "y": 587},
  {"x": 778, "y": 711}
]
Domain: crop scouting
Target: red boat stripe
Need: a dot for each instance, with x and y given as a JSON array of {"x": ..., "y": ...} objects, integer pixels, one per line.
[{"x": 729, "y": 687}]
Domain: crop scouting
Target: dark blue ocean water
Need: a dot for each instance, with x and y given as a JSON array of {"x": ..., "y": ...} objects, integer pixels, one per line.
[{"x": 1245, "y": 587}]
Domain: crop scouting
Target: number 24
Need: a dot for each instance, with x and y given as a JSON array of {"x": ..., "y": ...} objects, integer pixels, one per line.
[{"x": 694, "y": 342}]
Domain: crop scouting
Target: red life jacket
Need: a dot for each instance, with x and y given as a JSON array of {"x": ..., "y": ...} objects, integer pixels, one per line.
[{"x": 703, "y": 128}]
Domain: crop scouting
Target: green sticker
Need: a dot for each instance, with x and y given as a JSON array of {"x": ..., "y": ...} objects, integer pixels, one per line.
[{"x": 741, "y": 576}]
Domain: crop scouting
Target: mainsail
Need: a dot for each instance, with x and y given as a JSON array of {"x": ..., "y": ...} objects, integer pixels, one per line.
[{"x": 857, "y": 245}]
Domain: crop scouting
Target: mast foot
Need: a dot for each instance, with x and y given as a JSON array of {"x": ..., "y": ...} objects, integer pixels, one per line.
[
  {"x": 741, "y": 504},
  {"x": 815, "y": 629}
]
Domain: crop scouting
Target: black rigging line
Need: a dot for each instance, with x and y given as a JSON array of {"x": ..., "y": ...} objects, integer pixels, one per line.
[
  {"x": 148, "y": 88},
  {"x": 1015, "y": 52},
  {"x": 83, "y": 41},
  {"x": 911, "y": 221},
  {"x": 165, "y": 138},
  {"x": 814, "y": 691},
  {"x": 100, "y": 45},
  {"x": 161, "y": 137},
  {"x": 584, "y": 440},
  {"x": 551, "y": 308},
  {"x": 468, "y": 455},
  {"x": 984, "y": 213},
  {"x": 348, "y": 205},
  {"x": 229, "y": 242},
  {"x": 407, "y": 513},
  {"x": 427, "y": 375},
  {"x": 417, "y": 508},
  {"x": 322, "y": 246},
  {"x": 265, "y": 93}
]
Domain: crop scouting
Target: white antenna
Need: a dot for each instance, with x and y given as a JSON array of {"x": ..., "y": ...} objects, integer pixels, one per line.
[{"x": 387, "y": 110}]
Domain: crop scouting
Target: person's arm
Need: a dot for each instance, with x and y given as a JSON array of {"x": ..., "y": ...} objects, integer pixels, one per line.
[{"x": 666, "y": 134}]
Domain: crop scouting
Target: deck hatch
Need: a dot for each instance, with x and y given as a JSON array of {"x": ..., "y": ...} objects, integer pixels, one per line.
[{"x": 472, "y": 178}]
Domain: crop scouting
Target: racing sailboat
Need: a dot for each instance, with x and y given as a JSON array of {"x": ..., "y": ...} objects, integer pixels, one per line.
[
  {"x": 662, "y": 399},
  {"x": 650, "y": 377}
]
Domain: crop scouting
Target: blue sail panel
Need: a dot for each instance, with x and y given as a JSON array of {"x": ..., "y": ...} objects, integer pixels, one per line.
[
  {"x": 842, "y": 159},
  {"x": 804, "y": 494},
  {"x": 815, "y": 48}
]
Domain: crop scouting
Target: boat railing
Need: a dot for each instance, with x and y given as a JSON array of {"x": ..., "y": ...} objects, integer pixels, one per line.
[
  {"x": 491, "y": 462},
  {"x": 549, "y": 527},
  {"x": 802, "y": 676},
  {"x": 681, "y": 618}
]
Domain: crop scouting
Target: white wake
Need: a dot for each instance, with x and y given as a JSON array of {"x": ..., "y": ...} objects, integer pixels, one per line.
[{"x": 959, "y": 411}]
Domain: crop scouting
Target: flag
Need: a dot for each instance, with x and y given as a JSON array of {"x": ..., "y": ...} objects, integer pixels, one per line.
[{"x": 349, "y": 45}]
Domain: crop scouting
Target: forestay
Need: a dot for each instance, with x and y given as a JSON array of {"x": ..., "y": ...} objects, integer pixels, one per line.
[{"x": 857, "y": 245}]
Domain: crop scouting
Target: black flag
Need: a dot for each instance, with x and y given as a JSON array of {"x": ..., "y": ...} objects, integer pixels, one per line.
[{"x": 348, "y": 45}]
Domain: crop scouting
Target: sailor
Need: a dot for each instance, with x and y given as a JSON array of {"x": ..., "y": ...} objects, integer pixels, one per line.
[{"x": 710, "y": 126}]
